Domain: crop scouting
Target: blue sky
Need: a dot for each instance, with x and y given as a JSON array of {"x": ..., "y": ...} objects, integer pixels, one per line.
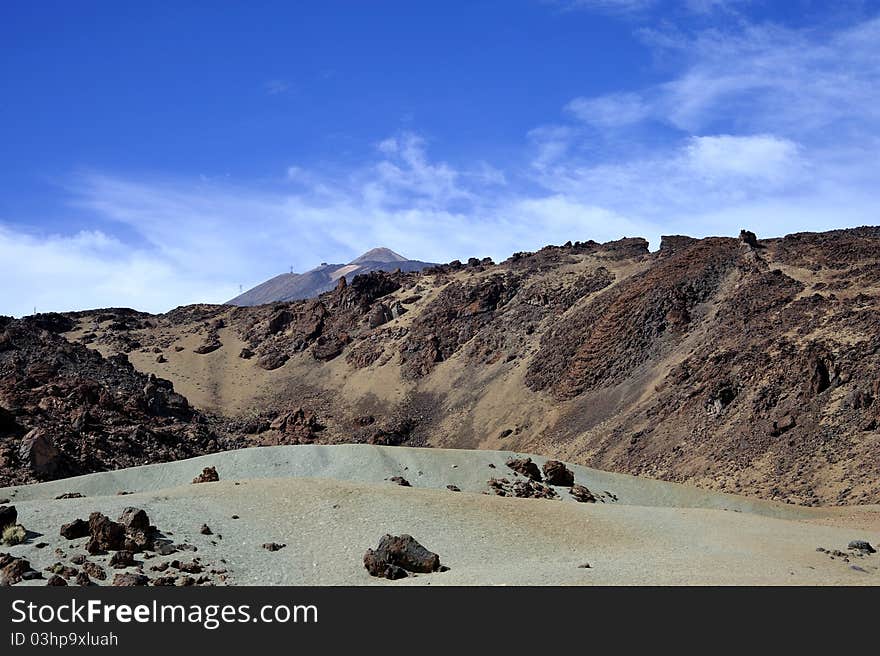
[{"x": 156, "y": 154}]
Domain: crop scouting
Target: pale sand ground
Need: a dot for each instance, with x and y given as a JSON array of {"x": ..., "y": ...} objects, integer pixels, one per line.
[{"x": 330, "y": 503}]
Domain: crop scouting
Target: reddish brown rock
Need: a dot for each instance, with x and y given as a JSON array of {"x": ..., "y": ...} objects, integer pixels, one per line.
[
  {"x": 76, "y": 529},
  {"x": 104, "y": 534},
  {"x": 130, "y": 579},
  {"x": 122, "y": 559},
  {"x": 396, "y": 556},
  {"x": 94, "y": 570},
  {"x": 582, "y": 494},
  {"x": 525, "y": 467},
  {"x": 13, "y": 570},
  {"x": 39, "y": 453},
  {"x": 556, "y": 473},
  {"x": 208, "y": 475},
  {"x": 134, "y": 519}
]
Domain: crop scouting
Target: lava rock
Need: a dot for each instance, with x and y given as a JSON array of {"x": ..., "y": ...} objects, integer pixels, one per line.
[
  {"x": 556, "y": 473},
  {"x": 104, "y": 534},
  {"x": 582, "y": 494},
  {"x": 13, "y": 569},
  {"x": 134, "y": 519},
  {"x": 94, "y": 570},
  {"x": 208, "y": 475},
  {"x": 38, "y": 452},
  {"x": 861, "y": 545},
  {"x": 400, "y": 480},
  {"x": 396, "y": 556},
  {"x": 130, "y": 579},
  {"x": 526, "y": 467},
  {"x": 78, "y": 528},
  {"x": 8, "y": 516},
  {"x": 122, "y": 559},
  {"x": 273, "y": 546}
]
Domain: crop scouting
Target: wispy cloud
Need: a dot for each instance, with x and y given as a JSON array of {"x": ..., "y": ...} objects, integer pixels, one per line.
[
  {"x": 274, "y": 87},
  {"x": 763, "y": 127},
  {"x": 610, "y": 111}
]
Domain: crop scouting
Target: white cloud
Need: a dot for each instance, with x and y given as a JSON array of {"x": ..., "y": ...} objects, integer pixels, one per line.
[
  {"x": 770, "y": 78},
  {"x": 762, "y": 157},
  {"x": 610, "y": 111},
  {"x": 91, "y": 269},
  {"x": 768, "y": 128}
]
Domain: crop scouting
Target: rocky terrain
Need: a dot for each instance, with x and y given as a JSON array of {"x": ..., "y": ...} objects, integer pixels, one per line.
[
  {"x": 744, "y": 365},
  {"x": 67, "y": 410}
]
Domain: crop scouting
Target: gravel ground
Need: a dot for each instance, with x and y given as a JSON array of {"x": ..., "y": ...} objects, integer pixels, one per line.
[{"x": 328, "y": 504}]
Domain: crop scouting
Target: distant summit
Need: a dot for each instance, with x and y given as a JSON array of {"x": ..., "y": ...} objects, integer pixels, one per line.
[
  {"x": 380, "y": 254},
  {"x": 297, "y": 286}
]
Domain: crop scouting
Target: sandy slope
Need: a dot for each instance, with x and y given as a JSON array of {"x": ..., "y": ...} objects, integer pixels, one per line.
[{"x": 328, "y": 504}]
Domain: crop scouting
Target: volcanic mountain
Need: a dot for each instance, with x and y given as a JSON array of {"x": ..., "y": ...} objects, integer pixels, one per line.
[
  {"x": 298, "y": 286},
  {"x": 746, "y": 365}
]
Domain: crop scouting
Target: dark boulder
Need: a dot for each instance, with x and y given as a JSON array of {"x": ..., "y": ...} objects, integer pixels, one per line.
[
  {"x": 582, "y": 494},
  {"x": 556, "y": 473},
  {"x": 94, "y": 570},
  {"x": 748, "y": 238},
  {"x": 526, "y": 467},
  {"x": 208, "y": 475},
  {"x": 861, "y": 545},
  {"x": 12, "y": 569},
  {"x": 38, "y": 452},
  {"x": 134, "y": 519},
  {"x": 78, "y": 528},
  {"x": 130, "y": 579},
  {"x": 104, "y": 534},
  {"x": 396, "y": 556},
  {"x": 122, "y": 559},
  {"x": 8, "y": 516}
]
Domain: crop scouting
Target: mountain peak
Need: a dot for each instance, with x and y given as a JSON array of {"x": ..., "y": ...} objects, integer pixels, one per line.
[{"x": 380, "y": 254}]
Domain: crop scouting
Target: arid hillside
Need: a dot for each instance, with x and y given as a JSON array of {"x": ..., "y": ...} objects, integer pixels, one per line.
[{"x": 743, "y": 365}]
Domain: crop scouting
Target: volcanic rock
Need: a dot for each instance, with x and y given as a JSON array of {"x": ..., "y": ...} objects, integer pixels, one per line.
[
  {"x": 122, "y": 559},
  {"x": 38, "y": 452},
  {"x": 556, "y": 473},
  {"x": 396, "y": 556},
  {"x": 134, "y": 519},
  {"x": 208, "y": 475},
  {"x": 526, "y": 467},
  {"x": 130, "y": 579},
  {"x": 104, "y": 534},
  {"x": 78, "y": 528},
  {"x": 8, "y": 516},
  {"x": 582, "y": 494},
  {"x": 861, "y": 545},
  {"x": 12, "y": 569}
]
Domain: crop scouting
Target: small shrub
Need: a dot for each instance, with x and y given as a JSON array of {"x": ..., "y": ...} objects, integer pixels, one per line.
[{"x": 14, "y": 534}]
